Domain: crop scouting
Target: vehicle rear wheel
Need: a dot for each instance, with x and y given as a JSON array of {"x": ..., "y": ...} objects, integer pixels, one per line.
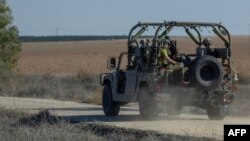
[
  {"x": 110, "y": 107},
  {"x": 147, "y": 105},
  {"x": 217, "y": 113}
]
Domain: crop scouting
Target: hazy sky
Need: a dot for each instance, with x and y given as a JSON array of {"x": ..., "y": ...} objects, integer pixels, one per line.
[{"x": 116, "y": 17}]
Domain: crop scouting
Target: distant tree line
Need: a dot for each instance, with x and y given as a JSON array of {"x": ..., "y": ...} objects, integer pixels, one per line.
[{"x": 68, "y": 38}]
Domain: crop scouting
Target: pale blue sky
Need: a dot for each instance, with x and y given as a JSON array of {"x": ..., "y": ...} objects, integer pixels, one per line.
[{"x": 116, "y": 17}]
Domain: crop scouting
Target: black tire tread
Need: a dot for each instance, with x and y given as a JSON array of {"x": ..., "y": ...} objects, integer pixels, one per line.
[{"x": 113, "y": 108}]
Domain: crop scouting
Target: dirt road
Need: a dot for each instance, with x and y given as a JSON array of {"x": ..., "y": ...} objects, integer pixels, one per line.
[{"x": 185, "y": 124}]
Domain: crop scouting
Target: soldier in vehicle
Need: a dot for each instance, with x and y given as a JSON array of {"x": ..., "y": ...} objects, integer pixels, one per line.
[
  {"x": 207, "y": 42},
  {"x": 147, "y": 42},
  {"x": 167, "y": 63},
  {"x": 142, "y": 43},
  {"x": 164, "y": 60}
]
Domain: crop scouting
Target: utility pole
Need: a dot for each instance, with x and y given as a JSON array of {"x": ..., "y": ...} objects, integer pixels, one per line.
[
  {"x": 249, "y": 30},
  {"x": 56, "y": 31},
  {"x": 56, "y": 34}
]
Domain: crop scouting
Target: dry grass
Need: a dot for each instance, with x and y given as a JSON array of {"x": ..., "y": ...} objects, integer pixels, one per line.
[
  {"x": 10, "y": 130},
  {"x": 17, "y": 126},
  {"x": 82, "y": 87}
]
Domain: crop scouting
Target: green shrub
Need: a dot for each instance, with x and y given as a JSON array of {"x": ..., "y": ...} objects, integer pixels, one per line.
[{"x": 9, "y": 42}]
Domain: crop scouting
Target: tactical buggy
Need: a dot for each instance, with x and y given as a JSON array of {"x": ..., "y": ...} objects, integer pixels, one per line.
[{"x": 209, "y": 74}]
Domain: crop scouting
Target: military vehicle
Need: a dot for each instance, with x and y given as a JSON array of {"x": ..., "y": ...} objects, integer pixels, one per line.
[{"x": 208, "y": 73}]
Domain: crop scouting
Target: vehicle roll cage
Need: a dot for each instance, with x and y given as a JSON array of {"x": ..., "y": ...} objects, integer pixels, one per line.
[
  {"x": 163, "y": 29},
  {"x": 217, "y": 28}
]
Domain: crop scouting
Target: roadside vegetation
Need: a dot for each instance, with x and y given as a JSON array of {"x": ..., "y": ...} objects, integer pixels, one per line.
[
  {"x": 82, "y": 87},
  {"x": 16, "y": 125},
  {"x": 10, "y": 46},
  {"x": 12, "y": 130},
  {"x": 85, "y": 87}
]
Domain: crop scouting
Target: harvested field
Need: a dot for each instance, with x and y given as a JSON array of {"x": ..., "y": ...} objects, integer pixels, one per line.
[
  {"x": 68, "y": 57},
  {"x": 90, "y": 56}
]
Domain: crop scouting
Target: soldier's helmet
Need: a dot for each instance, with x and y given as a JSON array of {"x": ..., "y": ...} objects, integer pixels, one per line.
[
  {"x": 165, "y": 43},
  {"x": 147, "y": 42},
  {"x": 167, "y": 37},
  {"x": 142, "y": 42},
  {"x": 207, "y": 42}
]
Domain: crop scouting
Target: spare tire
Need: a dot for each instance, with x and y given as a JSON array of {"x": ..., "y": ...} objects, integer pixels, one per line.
[{"x": 207, "y": 72}]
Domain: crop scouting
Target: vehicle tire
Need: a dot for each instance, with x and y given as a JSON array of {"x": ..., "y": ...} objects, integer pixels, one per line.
[
  {"x": 217, "y": 113},
  {"x": 147, "y": 105},
  {"x": 207, "y": 72},
  {"x": 110, "y": 108}
]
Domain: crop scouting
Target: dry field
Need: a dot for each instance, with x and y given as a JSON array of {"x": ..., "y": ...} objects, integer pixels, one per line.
[
  {"x": 90, "y": 56},
  {"x": 68, "y": 57}
]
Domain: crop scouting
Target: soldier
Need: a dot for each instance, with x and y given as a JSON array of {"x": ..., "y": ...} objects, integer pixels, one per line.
[
  {"x": 167, "y": 63},
  {"x": 207, "y": 42},
  {"x": 165, "y": 53},
  {"x": 142, "y": 43}
]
